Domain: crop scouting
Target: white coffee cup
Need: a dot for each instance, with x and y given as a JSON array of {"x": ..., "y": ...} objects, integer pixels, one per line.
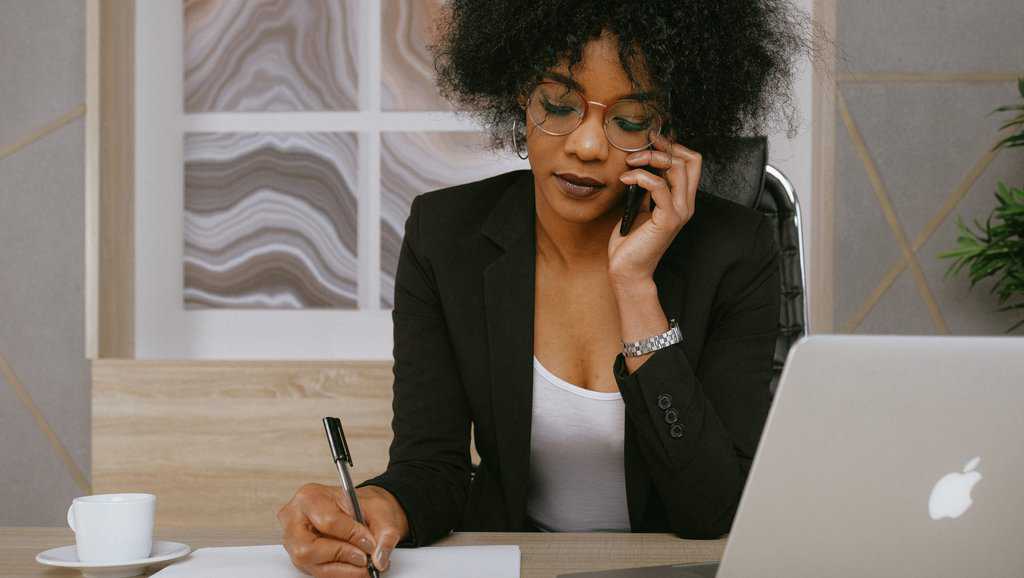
[{"x": 113, "y": 527}]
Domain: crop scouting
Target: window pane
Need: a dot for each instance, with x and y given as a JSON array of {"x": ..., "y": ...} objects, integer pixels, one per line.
[
  {"x": 270, "y": 55},
  {"x": 407, "y": 69},
  {"x": 270, "y": 220}
]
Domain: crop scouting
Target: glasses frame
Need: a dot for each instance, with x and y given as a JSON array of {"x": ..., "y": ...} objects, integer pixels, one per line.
[{"x": 586, "y": 108}]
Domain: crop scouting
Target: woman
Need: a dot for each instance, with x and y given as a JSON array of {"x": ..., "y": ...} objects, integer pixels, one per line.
[{"x": 517, "y": 299}]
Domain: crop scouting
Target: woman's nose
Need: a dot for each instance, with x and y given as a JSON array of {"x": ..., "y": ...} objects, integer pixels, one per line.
[{"x": 588, "y": 141}]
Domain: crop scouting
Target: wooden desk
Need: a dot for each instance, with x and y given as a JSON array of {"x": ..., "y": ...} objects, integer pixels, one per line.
[{"x": 543, "y": 555}]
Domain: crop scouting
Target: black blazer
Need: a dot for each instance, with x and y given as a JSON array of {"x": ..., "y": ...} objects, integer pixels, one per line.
[{"x": 463, "y": 356}]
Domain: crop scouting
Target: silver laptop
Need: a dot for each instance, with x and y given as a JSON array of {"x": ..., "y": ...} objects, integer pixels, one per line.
[{"x": 883, "y": 456}]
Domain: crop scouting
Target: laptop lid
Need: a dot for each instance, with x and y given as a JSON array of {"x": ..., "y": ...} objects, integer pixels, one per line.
[{"x": 888, "y": 456}]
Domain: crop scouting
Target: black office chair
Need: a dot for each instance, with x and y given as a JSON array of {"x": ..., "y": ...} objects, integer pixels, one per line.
[{"x": 752, "y": 182}]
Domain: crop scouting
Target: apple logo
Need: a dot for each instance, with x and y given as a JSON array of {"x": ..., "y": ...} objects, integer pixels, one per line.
[{"x": 951, "y": 496}]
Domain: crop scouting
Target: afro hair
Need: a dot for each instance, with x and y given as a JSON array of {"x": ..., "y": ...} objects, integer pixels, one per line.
[{"x": 723, "y": 68}]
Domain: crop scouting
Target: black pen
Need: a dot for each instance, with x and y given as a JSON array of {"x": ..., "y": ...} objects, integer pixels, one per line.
[{"x": 342, "y": 456}]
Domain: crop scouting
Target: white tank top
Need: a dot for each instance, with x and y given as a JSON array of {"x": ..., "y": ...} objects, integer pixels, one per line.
[{"x": 577, "y": 482}]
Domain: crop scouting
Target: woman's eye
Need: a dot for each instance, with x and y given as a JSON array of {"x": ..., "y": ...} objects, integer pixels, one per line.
[
  {"x": 557, "y": 110},
  {"x": 632, "y": 125}
]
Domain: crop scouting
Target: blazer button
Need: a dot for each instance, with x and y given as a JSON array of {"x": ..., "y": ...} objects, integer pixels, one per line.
[
  {"x": 671, "y": 415},
  {"x": 664, "y": 401},
  {"x": 676, "y": 431}
]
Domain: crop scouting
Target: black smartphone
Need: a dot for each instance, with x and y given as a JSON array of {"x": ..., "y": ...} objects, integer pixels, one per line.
[{"x": 634, "y": 196}]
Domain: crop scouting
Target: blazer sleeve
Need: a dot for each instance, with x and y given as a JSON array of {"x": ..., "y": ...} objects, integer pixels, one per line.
[
  {"x": 429, "y": 462},
  {"x": 697, "y": 427}
]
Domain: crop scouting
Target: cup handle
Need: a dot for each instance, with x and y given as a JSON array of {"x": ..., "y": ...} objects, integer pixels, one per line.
[{"x": 71, "y": 517}]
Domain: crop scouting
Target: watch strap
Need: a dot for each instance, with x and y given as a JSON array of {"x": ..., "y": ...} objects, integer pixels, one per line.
[{"x": 653, "y": 343}]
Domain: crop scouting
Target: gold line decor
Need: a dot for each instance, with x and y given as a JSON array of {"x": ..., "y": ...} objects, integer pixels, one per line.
[
  {"x": 890, "y": 214},
  {"x": 40, "y": 133},
  {"x": 924, "y": 77},
  {"x": 934, "y": 223},
  {"x": 44, "y": 426}
]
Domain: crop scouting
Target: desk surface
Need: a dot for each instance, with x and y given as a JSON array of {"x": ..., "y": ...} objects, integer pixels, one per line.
[{"x": 543, "y": 555}]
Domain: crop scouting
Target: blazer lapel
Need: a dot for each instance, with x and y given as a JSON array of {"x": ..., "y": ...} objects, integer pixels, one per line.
[{"x": 509, "y": 305}]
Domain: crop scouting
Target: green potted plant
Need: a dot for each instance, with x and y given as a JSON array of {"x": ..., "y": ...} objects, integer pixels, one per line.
[{"x": 997, "y": 249}]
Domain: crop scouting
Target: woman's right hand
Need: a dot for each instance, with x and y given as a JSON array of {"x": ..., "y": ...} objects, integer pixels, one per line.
[{"x": 323, "y": 538}]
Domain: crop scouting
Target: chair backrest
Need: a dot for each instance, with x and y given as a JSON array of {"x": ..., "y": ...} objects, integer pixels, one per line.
[
  {"x": 752, "y": 182},
  {"x": 779, "y": 202}
]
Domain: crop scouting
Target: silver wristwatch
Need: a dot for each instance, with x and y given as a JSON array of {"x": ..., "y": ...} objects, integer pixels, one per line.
[{"x": 660, "y": 341}]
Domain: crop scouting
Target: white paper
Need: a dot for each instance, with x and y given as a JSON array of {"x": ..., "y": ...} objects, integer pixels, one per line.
[{"x": 424, "y": 562}]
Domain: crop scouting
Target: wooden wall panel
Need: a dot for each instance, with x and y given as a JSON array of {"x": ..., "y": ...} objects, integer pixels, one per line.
[
  {"x": 821, "y": 248},
  {"x": 110, "y": 327},
  {"x": 226, "y": 443}
]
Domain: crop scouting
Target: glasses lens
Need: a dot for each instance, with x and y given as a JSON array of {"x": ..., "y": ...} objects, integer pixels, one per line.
[
  {"x": 555, "y": 107},
  {"x": 629, "y": 124}
]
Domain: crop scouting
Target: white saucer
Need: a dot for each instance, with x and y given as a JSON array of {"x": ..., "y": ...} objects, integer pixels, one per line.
[{"x": 67, "y": 557}]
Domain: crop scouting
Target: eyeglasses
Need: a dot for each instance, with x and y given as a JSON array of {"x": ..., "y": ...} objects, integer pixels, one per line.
[{"x": 557, "y": 109}]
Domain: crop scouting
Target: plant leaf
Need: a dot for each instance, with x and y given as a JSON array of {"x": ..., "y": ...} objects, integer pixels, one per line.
[{"x": 1010, "y": 141}]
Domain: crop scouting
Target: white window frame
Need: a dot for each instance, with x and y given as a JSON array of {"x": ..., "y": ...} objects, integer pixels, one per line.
[{"x": 163, "y": 327}]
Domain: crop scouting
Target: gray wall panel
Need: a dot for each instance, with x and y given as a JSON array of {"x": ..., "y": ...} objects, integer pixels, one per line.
[
  {"x": 42, "y": 59},
  {"x": 35, "y": 488},
  {"x": 42, "y": 337},
  {"x": 925, "y": 127},
  {"x": 901, "y": 302},
  {"x": 865, "y": 246},
  {"x": 931, "y": 35},
  {"x": 925, "y": 138}
]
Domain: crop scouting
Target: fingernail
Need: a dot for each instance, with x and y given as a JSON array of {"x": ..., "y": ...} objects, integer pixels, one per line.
[
  {"x": 365, "y": 545},
  {"x": 358, "y": 558},
  {"x": 382, "y": 558}
]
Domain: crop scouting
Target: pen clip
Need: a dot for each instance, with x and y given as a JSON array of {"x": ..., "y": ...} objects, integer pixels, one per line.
[{"x": 336, "y": 439}]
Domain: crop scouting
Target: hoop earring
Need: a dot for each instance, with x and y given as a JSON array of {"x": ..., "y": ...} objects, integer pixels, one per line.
[{"x": 516, "y": 144}]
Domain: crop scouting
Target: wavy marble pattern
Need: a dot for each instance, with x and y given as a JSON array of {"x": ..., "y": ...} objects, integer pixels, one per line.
[
  {"x": 415, "y": 162},
  {"x": 407, "y": 69},
  {"x": 270, "y": 220},
  {"x": 270, "y": 55}
]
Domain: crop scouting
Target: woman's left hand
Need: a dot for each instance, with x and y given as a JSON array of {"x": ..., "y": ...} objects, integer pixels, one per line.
[{"x": 633, "y": 258}]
